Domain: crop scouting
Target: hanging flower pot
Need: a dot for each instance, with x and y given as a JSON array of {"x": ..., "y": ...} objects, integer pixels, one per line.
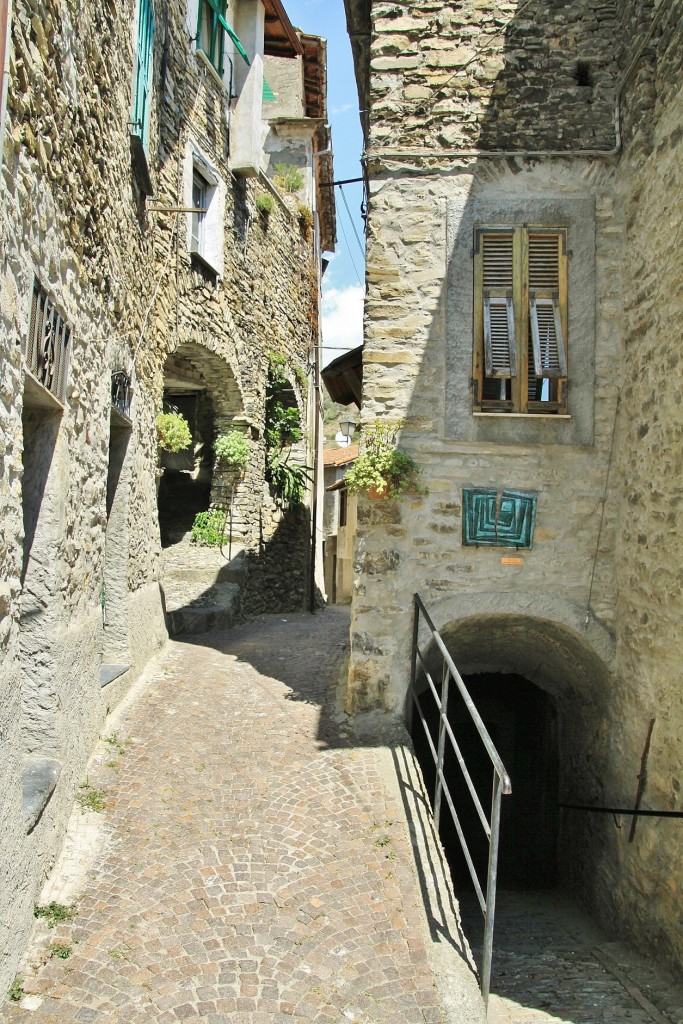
[{"x": 381, "y": 470}]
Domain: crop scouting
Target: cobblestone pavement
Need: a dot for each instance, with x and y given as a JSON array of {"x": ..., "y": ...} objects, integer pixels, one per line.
[
  {"x": 253, "y": 864},
  {"x": 553, "y": 965}
]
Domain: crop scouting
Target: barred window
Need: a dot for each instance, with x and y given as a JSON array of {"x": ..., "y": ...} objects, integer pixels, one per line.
[{"x": 48, "y": 348}]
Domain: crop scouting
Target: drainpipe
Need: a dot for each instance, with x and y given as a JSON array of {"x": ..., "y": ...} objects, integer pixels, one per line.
[
  {"x": 5, "y": 18},
  {"x": 316, "y": 455},
  {"x": 317, "y": 386}
]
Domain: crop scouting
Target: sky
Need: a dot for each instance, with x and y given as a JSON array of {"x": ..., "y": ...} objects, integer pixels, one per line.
[{"x": 343, "y": 283}]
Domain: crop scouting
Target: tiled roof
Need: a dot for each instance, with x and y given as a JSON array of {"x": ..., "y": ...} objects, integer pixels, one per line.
[{"x": 340, "y": 456}]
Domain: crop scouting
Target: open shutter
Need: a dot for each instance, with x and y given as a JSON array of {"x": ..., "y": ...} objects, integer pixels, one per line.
[
  {"x": 499, "y": 319},
  {"x": 546, "y": 265},
  {"x": 143, "y": 72},
  {"x": 499, "y": 336},
  {"x": 235, "y": 39},
  {"x": 547, "y": 337}
]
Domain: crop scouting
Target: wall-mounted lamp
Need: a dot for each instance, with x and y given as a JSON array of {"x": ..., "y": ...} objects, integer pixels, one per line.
[{"x": 347, "y": 428}]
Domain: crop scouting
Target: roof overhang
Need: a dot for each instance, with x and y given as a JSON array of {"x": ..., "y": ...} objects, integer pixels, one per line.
[
  {"x": 280, "y": 38},
  {"x": 343, "y": 377}
]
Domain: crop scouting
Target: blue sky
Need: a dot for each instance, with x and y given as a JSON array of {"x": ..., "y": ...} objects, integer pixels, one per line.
[{"x": 343, "y": 284}]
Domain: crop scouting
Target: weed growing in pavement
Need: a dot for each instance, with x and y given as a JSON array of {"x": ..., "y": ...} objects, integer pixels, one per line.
[
  {"x": 16, "y": 990},
  {"x": 61, "y": 949},
  {"x": 382, "y": 841},
  {"x": 90, "y": 799},
  {"x": 117, "y": 954},
  {"x": 54, "y": 913},
  {"x": 117, "y": 744}
]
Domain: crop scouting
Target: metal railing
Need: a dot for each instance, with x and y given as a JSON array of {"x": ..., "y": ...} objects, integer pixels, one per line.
[{"x": 501, "y": 780}]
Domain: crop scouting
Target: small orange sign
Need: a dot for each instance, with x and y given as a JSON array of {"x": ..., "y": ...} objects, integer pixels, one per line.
[{"x": 511, "y": 561}]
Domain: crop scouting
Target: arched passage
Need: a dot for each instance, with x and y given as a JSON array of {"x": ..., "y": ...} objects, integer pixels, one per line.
[
  {"x": 541, "y": 691},
  {"x": 200, "y": 385}
]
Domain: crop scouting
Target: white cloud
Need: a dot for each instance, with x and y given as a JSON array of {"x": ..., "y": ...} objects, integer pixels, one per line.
[
  {"x": 342, "y": 320},
  {"x": 343, "y": 109}
]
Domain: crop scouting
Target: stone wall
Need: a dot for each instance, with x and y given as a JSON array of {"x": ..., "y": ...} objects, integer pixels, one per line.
[
  {"x": 588, "y": 612},
  {"x": 66, "y": 193},
  {"x": 77, "y": 485},
  {"x": 491, "y": 76},
  {"x": 644, "y": 884}
]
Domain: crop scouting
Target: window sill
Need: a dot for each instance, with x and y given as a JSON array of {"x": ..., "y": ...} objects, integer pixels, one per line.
[
  {"x": 203, "y": 59},
  {"x": 36, "y": 395},
  {"x": 38, "y": 780},
  {"x": 138, "y": 158},
  {"x": 522, "y": 415},
  {"x": 203, "y": 265}
]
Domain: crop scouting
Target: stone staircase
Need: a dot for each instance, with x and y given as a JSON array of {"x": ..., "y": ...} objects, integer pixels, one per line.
[{"x": 201, "y": 587}]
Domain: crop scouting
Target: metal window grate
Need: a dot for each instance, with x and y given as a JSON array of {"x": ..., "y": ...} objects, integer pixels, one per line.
[
  {"x": 49, "y": 344},
  {"x": 121, "y": 392}
]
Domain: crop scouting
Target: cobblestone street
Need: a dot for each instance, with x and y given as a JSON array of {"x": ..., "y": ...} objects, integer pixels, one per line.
[{"x": 254, "y": 864}]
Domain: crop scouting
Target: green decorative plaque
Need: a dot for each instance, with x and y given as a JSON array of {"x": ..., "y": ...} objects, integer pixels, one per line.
[{"x": 494, "y": 520}]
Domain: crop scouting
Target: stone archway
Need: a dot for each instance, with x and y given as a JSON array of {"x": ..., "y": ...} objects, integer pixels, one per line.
[
  {"x": 201, "y": 386},
  {"x": 542, "y": 691},
  {"x": 202, "y": 583}
]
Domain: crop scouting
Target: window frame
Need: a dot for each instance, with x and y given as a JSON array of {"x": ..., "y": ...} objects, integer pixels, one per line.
[
  {"x": 219, "y": 28},
  {"x": 515, "y": 379},
  {"x": 205, "y": 241}
]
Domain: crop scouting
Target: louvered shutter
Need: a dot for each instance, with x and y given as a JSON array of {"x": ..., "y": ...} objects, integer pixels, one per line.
[
  {"x": 547, "y": 336},
  {"x": 143, "y": 72},
  {"x": 499, "y": 319}
]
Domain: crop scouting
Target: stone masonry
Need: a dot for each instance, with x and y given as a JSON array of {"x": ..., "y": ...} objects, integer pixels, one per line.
[
  {"x": 94, "y": 223},
  {"x": 543, "y": 113}
]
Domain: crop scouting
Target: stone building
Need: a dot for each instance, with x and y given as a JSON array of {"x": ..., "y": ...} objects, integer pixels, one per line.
[
  {"x": 523, "y": 309},
  {"x": 156, "y": 246},
  {"x": 339, "y": 524}
]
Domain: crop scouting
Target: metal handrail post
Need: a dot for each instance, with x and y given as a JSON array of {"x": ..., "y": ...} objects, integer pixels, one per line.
[
  {"x": 441, "y": 749},
  {"x": 413, "y": 664},
  {"x": 487, "y": 952}
]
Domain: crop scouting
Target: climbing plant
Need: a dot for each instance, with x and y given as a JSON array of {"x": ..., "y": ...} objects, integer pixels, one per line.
[{"x": 288, "y": 480}]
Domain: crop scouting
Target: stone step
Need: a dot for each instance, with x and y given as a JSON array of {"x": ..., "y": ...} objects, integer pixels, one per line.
[
  {"x": 216, "y": 609},
  {"x": 201, "y": 588}
]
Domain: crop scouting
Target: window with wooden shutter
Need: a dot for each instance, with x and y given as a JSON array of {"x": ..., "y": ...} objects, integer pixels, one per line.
[
  {"x": 499, "y": 317},
  {"x": 143, "y": 73},
  {"x": 520, "y": 320}
]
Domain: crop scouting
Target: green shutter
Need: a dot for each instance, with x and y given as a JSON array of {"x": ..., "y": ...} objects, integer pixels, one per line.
[
  {"x": 143, "y": 72},
  {"x": 235, "y": 38},
  {"x": 268, "y": 94}
]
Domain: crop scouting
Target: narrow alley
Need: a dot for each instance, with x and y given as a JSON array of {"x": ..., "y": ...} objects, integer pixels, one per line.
[{"x": 253, "y": 863}]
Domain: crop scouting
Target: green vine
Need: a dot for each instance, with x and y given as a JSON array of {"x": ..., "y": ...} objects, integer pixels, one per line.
[
  {"x": 288, "y": 480},
  {"x": 208, "y": 528}
]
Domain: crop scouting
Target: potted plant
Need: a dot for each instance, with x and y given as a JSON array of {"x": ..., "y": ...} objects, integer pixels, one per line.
[
  {"x": 173, "y": 432},
  {"x": 232, "y": 450},
  {"x": 381, "y": 470}
]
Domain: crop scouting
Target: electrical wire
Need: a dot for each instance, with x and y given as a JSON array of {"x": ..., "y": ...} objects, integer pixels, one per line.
[
  {"x": 360, "y": 246},
  {"x": 348, "y": 247}
]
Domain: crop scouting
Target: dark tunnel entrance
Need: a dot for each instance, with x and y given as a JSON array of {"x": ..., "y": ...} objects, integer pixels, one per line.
[{"x": 522, "y": 722}]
